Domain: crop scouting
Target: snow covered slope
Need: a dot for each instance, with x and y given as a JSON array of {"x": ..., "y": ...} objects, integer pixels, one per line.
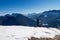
[{"x": 24, "y": 32}]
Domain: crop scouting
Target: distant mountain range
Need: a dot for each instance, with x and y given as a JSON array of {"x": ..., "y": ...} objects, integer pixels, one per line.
[
  {"x": 16, "y": 19},
  {"x": 33, "y": 15},
  {"x": 46, "y": 19},
  {"x": 51, "y": 18}
]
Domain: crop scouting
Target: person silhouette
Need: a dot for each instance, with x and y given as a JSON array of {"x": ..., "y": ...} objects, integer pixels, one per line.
[{"x": 37, "y": 22}]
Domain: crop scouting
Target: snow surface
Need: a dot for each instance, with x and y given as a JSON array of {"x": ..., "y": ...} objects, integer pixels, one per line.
[{"x": 24, "y": 32}]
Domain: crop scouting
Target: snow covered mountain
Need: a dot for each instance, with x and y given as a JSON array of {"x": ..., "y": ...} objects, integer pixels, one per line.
[{"x": 25, "y": 32}]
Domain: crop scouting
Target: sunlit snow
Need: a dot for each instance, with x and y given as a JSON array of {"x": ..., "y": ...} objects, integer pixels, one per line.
[{"x": 25, "y": 32}]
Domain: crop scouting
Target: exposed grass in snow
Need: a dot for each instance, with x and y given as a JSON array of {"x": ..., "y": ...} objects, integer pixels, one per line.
[
  {"x": 25, "y": 33},
  {"x": 57, "y": 37}
]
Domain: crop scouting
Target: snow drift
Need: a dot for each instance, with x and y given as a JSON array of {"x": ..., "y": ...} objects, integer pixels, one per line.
[{"x": 25, "y": 32}]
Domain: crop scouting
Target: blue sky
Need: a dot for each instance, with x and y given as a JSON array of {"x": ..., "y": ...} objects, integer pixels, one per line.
[{"x": 27, "y": 6}]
